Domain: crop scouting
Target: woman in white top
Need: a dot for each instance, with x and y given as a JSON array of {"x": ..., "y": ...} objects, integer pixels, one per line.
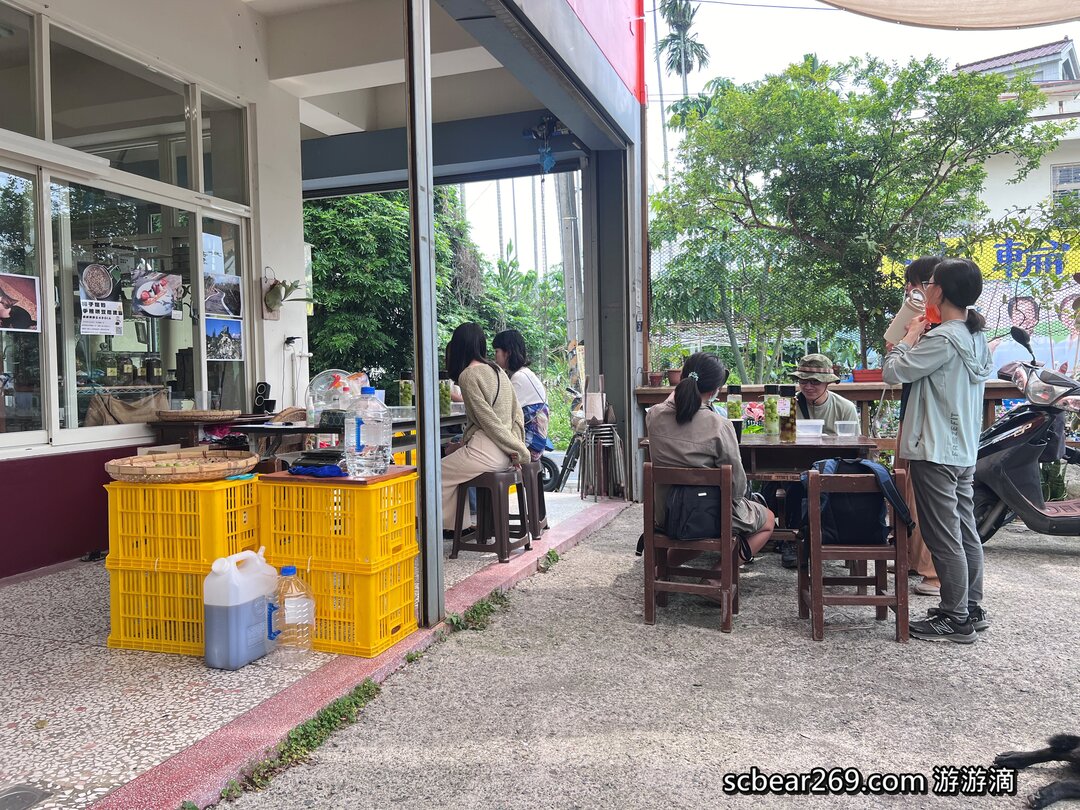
[{"x": 512, "y": 357}]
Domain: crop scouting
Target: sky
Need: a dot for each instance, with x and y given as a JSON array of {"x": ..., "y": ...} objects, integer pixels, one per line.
[{"x": 747, "y": 39}]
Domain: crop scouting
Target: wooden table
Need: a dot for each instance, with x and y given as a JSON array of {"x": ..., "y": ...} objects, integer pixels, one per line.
[
  {"x": 187, "y": 434},
  {"x": 406, "y": 442},
  {"x": 766, "y": 458},
  {"x": 862, "y": 394}
]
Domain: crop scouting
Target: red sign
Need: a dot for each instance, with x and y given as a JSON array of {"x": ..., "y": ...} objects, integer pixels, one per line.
[{"x": 618, "y": 27}]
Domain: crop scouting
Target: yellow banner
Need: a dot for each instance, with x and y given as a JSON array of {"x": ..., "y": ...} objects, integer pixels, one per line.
[{"x": 1009, "y": 258}]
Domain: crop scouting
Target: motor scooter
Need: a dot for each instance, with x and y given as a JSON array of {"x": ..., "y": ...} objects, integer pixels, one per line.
[{"x": 1008, "y": 479}]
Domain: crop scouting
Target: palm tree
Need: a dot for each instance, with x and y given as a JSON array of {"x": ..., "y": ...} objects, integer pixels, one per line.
[{"x": 683, "y": 51}]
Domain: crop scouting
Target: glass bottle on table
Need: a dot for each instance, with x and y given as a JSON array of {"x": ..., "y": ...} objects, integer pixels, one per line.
[
  {"x": 787, "y": 407},
  {"x": 734, "y": 402},
  {"x": 771, "y": 406}
]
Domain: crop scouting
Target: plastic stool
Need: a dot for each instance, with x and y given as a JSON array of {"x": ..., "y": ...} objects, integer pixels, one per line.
[{"x": 492, "y": 515}]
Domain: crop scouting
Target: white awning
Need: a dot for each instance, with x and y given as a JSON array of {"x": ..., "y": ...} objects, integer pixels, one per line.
[{"x": 966, "y": 14}]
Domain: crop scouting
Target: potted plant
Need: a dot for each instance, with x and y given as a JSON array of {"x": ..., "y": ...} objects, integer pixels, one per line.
[{"x": 672, "y": 359}]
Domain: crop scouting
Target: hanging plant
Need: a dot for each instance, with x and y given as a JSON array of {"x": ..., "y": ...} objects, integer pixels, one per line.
[{"x": 276, "y": 292}]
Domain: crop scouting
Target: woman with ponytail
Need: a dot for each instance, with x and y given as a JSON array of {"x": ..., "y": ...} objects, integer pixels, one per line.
[
  {"x": 946, "y": 368},
  {"x": 684, "y": 431}
]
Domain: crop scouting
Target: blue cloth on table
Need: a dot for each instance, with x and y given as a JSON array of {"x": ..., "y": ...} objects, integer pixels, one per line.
[{"x": 327, "y": 471}]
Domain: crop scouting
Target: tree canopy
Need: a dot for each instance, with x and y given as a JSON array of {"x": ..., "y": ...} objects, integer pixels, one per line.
[{"x": 851, "y": 163}]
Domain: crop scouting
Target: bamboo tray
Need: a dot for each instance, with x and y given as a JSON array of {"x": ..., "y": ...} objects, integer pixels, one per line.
[
  {"x": 197, "y": 416},
  {"x": 186, "y": 466}
]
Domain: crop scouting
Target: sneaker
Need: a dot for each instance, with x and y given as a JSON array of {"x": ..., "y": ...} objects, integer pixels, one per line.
[
  {"x": 979, "y": 620},
  {"x": 943, "y": 628},
  {"x": 922, "y": 589},
  {"x": 789, "y": 555}
]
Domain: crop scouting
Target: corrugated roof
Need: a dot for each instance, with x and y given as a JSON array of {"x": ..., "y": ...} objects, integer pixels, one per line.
[{"x": 1016, "y": 57}]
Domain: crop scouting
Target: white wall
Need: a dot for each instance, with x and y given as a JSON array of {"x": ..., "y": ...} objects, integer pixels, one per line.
[
  {"x": 222, "y": 45},
  {"x": 1001, "y": 196}
]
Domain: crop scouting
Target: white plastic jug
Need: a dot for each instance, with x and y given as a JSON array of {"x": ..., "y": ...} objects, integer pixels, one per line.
[{"x": 239, "y": 603}]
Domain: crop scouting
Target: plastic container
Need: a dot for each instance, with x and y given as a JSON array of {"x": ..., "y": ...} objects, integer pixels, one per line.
[
  {"x": 771, "y": 407},
  {"x": 368, "y": 436},
  {"x": 338, "y": 525},
  {"x": 446, "y": 396},
  {"x": 787, "y": 407},
  {"x": 154, "y": 609},
  {"x": 847, "y": 427},
  {"x": 295, "y": 616},
  {"x": 809, "y": 427},
  {"x": 362, "y": 614},
  {"x": 182, "y": 526},
  {"x": 734, "y": 402},
  {"x": 239, "y": 602}
]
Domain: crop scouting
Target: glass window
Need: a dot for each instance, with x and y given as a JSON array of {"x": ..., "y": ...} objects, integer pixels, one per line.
[
  {"x": 20, "y": 307},
  {"x": 125, "y": 316},
  {"x": 110, "y": 106},
  {"x": 226, "y": 343},
  {"x": 16, "y": 80},
  {"x": 224, "y": 149}
]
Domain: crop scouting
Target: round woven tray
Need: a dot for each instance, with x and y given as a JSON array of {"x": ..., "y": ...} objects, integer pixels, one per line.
[
  {"x": 197, "y": 416},
  {"x": 186, "y": 466}
]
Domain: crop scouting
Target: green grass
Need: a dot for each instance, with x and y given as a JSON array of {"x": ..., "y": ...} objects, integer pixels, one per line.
[
  {"x": 302, "y": 741},
  {"x": 413, "y": 655},
  {"x": 478, "y": 617},
  {"x": 545, "y": 563}
]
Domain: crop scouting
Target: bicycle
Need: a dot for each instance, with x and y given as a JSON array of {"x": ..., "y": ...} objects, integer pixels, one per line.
[{"x": 553, "y": 476}]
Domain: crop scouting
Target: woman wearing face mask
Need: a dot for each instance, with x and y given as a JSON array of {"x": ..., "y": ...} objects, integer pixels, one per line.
[{"x": 947, "y": 368}]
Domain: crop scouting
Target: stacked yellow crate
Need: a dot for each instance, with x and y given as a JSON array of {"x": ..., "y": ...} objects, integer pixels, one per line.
[
  {"x": 355, "y": 546},
  {"x": 163, "y": 539}
]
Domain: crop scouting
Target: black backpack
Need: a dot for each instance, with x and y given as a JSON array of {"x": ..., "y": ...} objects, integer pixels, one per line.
[
  {"x": 693, "y": 513},
  {"x": 855, "y": 518}
]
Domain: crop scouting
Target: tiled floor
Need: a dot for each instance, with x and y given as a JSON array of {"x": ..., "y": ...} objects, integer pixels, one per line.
[{"x": 78, "y": 719}]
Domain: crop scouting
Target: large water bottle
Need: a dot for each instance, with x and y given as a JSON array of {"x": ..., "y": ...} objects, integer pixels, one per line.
[
  {"x": 239, "y": 598},
  {"x": 295, "y": 614},
  {"x": 368, "y": 432}
]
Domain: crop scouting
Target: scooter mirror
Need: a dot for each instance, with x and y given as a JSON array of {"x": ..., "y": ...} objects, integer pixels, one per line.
[{"x": 1023, "y": 338}]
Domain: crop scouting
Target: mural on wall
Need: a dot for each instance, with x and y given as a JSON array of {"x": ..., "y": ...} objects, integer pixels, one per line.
[{"x": 1034, "y": 287}]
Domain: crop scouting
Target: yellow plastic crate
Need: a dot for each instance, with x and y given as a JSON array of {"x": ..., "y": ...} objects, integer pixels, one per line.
[
  {"x": 361, "y": 614},
  {"x": 183, "y": 526},
  {"x": 343, "y": 527},
  {"x": 155, "y": 610}
]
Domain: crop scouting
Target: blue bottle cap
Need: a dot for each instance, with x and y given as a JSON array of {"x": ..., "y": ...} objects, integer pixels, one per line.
[
  {"x": 368, "y": 390},
  {"x": 288, "y": 570}
]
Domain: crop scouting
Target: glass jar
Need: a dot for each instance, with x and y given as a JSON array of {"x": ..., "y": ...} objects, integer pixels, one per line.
[
  {"x": 446, "y": 401},
  {"x": 154, "y": 375},
  {"x": 734, "y": 402},
  {"x": 107, "y": 361},
  {"x": 786, "y": 408},
  {"x": 771, "y": 406},
  {"x": 125, "y": 369},
  {"x": 405, "y": 390}
]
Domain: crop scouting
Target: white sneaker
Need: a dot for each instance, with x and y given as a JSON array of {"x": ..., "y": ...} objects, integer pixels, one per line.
[{"x": 922, "y": 589}]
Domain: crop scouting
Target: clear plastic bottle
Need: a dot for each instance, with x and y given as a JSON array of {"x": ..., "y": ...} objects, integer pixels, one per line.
[
  {"x": 734, "y": 402},
  {"x": 787, "y": 407},
  {"x": 772, "y": 410},
  {"x": 368, "y": 434},
  {"x": 295, "y": 614}
]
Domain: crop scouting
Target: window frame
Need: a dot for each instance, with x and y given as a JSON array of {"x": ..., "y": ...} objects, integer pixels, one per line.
[{"x": 48, "y": 162}]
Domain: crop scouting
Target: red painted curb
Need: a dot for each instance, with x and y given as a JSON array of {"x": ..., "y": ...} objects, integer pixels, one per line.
[{"x": 199, "y": 772}]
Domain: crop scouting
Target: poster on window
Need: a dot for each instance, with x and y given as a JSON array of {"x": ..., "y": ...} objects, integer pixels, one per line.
[
  {"x": 155, "y": 295},
  {"x": 224, "y": 339},
  {"x": 19, "y": 307},
  {"x": 99, "y": 300},
  {"x": 222, "y": 295}
]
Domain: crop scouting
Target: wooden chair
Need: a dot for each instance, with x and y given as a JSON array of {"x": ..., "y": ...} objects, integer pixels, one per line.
[
  {"x": 658, "y": 573},
  {"x": 812, "y": 581}
]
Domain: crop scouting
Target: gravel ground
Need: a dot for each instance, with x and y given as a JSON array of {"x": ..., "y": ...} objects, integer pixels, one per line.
[{"x": 569, "y": 700}]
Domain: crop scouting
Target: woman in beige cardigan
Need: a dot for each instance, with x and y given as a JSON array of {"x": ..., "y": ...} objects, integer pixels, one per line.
[{"x": 494, "y": 436}]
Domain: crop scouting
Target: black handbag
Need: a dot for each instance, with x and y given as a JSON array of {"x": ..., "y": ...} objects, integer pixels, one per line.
[{"x": 693, "y": 513}]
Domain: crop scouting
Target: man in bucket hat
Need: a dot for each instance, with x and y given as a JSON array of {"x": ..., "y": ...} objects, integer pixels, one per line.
[
  {"x": 813, "y": 374},
  {"x": 816, "y": 401}
]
